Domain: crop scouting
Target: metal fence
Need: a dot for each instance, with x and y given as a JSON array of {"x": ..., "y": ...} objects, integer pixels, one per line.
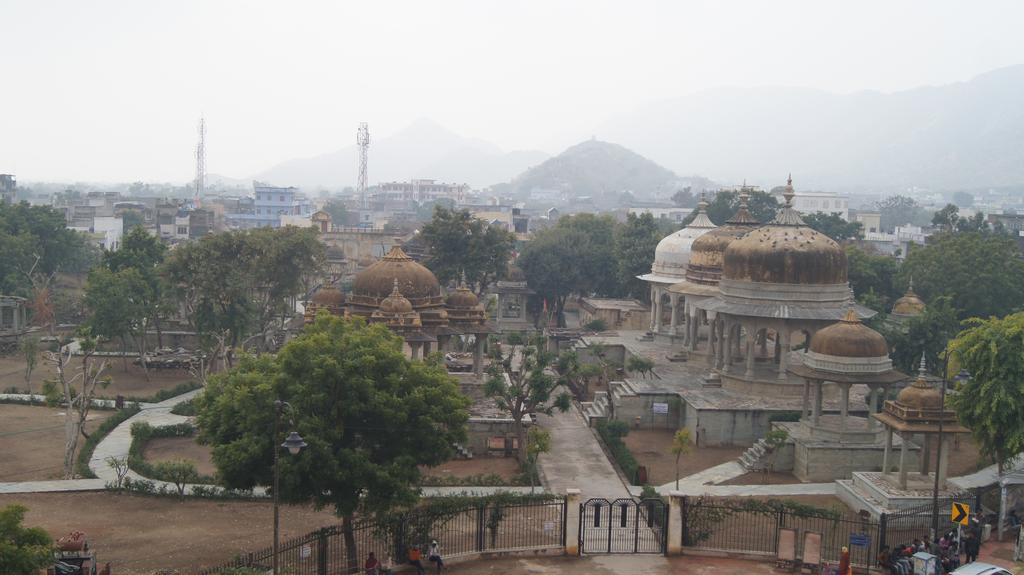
[
  {"x": 916, "y": 522},
  {"x": 733, "y": 527},
  {"x": 466, "y": 531}
]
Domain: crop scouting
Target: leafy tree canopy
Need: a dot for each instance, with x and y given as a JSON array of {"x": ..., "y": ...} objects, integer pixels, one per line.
[
  {"x": 991, "y": 403},
  {"x": 23, "y": 550},
  {"x": 339, "y": 213},
  {"x": 872, "y": 276},
  {"x": 928, "y": 333},
  {"x": 36, "y": 239},
  {"x": 460, "y": 242},
  {"x": 635, "y": 242},
  {"x": 685, "y": 198},
  {"x": 981, "y": 272},
  {"x": 901, "y": 210},
  {"x": 369, "y": 415},
  {"x": 833, "y": 225}
]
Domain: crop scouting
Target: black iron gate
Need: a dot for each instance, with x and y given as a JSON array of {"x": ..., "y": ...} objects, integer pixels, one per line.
[{"x": 623, "y": 526}]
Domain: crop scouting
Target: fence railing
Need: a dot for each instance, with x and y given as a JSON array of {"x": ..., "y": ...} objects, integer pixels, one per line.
[{"x": 459, "y": 532}]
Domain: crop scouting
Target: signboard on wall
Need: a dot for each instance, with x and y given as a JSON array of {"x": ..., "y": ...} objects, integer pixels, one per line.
[{"x": 661, "y": 408}]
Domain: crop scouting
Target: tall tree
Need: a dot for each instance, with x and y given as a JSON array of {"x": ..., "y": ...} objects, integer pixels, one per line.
[
  {"x": 78, "y": 379},
  {"x": 369, "y": 415},
  {"x": 145, "y": 254},
  {"x": 635, "y": 242},
  {"x": 23, "y": 550},
  {"x": 947, "y": 217},
  {"x": 833, "y": 225},
  {"x": 460, "y": 242},
  {"x": 520, "y": 382},
  {"x": 339, "y": 213},
  {"x": 114, "y": 306},
  {"x": 685, "y": 198},
  {"x": 928, "y": 333},
  {"x": 982, "y": 272},
  {"x": 900, "y": 210},
  {"x": 872, "y": 276},
  {"x": 991, "y": 403}
]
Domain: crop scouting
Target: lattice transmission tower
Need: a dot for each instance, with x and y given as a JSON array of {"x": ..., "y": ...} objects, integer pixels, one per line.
[
  {"x": 363, "y": 141},
  {"x": 200, "y": 163}
]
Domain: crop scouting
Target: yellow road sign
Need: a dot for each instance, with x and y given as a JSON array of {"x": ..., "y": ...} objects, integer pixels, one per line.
[{"x": 960, "y": 513}]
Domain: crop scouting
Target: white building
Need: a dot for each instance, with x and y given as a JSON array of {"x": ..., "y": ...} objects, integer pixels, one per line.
[
  {"x": 106, "y": 231},
  {"x": 676, "y": 215},
  {"x": 826, "y": 202}
]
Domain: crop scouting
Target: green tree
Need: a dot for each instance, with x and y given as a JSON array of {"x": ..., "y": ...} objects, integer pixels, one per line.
[
  {"x": 963, "y": 199},
  {"x": 684, "y": 198},
  {"x": 872, "y": 276},
  {"x": 37, "y": 244},
  {"x": 114, "y": 301},
  {"x": 991, "y": 403},
  {"x": 725, "y": 203},
  {"x": 947, "y": 217},
  {"x": 538, "y": 441},
  {"x": 640, "y": 365},
  {"x": 928, "y": 333},
  {"x": 520, "y": 382},
  {"x": 23, "y": 550},
  {"x": 834, "y": 226},
  {"x": 144, "y": 254},
  {"x": 460, "y": 242},
  {"x": 338, "y": 212},
  {"x": 235, "y": 287},
  {"x": 900, "y": 210},
  {"x": 681, "y": 445},
  {"x": 635, "y": 242},
  {"x": 76, "y": 385},
  {"x": 130, "y": 219},
  {"x": 982, "y": 272},
  {"x": 975, "y": 223},
  {"x": 179, "y": 472},
  {"x": 370, "y": 417}
]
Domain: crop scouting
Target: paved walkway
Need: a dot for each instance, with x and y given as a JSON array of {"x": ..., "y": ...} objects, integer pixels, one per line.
[
  {"x": 576, "y": 459},
  {"x": 41, "y": 399}
]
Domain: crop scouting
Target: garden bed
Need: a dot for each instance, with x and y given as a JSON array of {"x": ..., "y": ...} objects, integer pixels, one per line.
[
  {"x": 652, "y": 448},
  {"x": 32, "y": 441}
]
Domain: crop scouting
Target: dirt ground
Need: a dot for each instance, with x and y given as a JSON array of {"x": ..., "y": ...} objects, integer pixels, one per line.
[
  {"x": 186, "y": 448},
  {"x": 506, "y": 467},
  {"x": 132, "y": 383},
  {"x": 652, "y": 448},
  {"x": 32, "y": 441},
  {"x": 758, "y": 478},
  {"x": 139, "y": 535}
]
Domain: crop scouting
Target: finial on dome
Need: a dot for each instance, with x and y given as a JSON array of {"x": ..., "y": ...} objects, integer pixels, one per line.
[
  {"x": 395, "y": 290},
  {"x": 923, "y": 368},
  {"x": 462, "y": 279},
  {"x": 702, "y": 205},
  {"x": 851, "y": 311},
  {"x": 789, "y": 193},
  {"x": 910, "y": 286}
]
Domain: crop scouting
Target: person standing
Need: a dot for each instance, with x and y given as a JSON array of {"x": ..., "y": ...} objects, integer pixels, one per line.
[{"x": 415, "y": 559}]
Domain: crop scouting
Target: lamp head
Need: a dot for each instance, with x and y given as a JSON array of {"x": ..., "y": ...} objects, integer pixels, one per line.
[{"x": 293, "y": 443}]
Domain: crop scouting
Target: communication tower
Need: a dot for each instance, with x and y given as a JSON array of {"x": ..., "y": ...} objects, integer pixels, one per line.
[
  {"x": 363, "y": 141},
  {"x": 200, "y": 163}
]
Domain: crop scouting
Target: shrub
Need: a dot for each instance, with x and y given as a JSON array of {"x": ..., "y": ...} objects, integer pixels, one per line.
[
  {"x": 142, "y": 433},
  {"x": 785, "y": 416},
  {"x": 612, "y": 433},
  {"x": 184, "y": 408},
  {"x": 596, "y": 325}
]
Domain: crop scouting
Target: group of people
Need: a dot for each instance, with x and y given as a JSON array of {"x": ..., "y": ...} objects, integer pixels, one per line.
[
  {"x": 375, "y": 566},
  {"x": 948, "y": 549}
]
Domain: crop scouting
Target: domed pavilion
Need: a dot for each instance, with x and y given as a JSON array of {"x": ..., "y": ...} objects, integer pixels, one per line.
[
  {"x": 908, "y": 306},
  {"x": 671, "y": 258},
  {"x": 777, "y": 280},
  {"x": 704, "y": 270},
  {"x": 328, "y": 298}
]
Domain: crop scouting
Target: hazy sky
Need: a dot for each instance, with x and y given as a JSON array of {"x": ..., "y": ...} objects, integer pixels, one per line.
[{"x": 112, "y": 90}]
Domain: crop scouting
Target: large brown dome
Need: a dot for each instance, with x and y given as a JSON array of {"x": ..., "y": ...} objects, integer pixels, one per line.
[
  {"x": 462, "y": 297},
  {"x": 909, "y": 305},
  {"x": 786, "y": 251},
  {"x": 415, "y": 281},
  {"x": 849, "y": 338},
  {"x": 707, "y": 251},
  {"x": 328, "y": 296},
  {"x": 920, "y": 395}
]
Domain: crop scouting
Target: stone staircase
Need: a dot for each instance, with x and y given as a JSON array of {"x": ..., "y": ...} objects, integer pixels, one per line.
[
  {"x": 600, "y": 408},
  {"x": 756, "y": 457}
]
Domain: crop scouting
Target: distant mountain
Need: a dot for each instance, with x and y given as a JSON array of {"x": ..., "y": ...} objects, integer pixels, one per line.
[
  {"x": 602, "y": 169},
  {"x": 962, "y": 135},
  {"x": 422, "y": 150}
]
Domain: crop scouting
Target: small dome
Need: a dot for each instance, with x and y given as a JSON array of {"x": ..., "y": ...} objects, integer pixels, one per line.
[
  {"x": 920, "y": 394},
  {"x": 415, "y": 281},
  {"x": 849, "y": 338},
  {"x": 328, "y": 296},
  {"x": 395, "y": 303},
  {"x": 462, "y": 297},
  {"x": 786, "y": 251},
  {"x": 673, "y": 251},
  {"x": 707, "y": 251},
  {"x": 910, "y": 304}
]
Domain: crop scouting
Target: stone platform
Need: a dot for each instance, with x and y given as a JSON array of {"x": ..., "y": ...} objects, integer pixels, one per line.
[
  {"x": 869, "y": 490},
  {"x": 826, "y": 452}
]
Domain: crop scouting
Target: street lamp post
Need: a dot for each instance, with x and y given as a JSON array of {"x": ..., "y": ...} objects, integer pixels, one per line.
[
  {"x": 293, "y": 444},
  {"x": 962, "y": 376}
]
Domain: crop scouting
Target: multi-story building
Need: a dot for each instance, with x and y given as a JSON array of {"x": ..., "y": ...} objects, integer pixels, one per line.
[
  {"x": 270, "y": 204},
  {"x": 8, "y": 185},
  {"x": 420, "y": 191},
  {"x": 825, "y": 202}
]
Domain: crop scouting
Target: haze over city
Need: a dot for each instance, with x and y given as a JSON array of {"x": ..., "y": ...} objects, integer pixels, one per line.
[{"x": 111, "y": 91}]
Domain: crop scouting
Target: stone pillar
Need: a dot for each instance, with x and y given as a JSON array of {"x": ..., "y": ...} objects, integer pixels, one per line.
[
  {"x": 806, "y": 405},
  {"x": 926, "y": 454},
  {"x": 478, "y": 355},
  {"x": 673, "y": 314},
  {"x": 783, "y": 355},
  {"x": 887, "y": 451},
  {"x": 415, "y": 349},
  {"x": 728, "y": 346},
  {"x": 572, "y": 522},
  {"x": 694, "y": 328},
  {"x": 944, "y": 460},
  {"x": 675, "y": 523},
  {"x": 426, "y": 348},
  {"x": 903, "y": 461},
  {"x": 654, "y": 306},
  {"x": 751, "y": 349},
  {"x": 687, "y": 324},
  {"x": 816, "y": 414},
  {"x": 844, "y": 406},
  {"x": 872, "y": 407},
  {"x": 778, "y": 347},
  {"x": 656, "y": 309}
]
